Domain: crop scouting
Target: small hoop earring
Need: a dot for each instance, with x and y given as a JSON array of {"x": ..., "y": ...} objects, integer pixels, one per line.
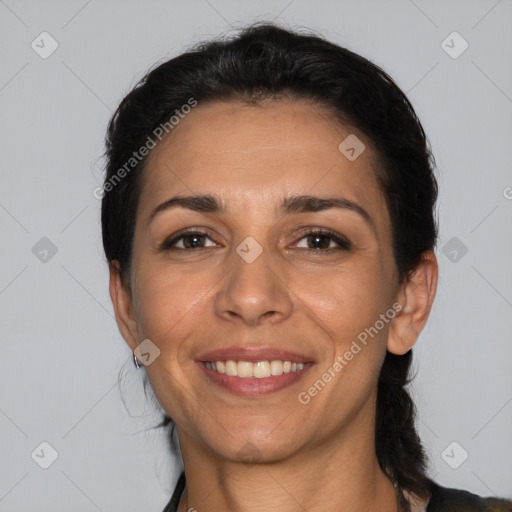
[{"x": 136, "y": 361}]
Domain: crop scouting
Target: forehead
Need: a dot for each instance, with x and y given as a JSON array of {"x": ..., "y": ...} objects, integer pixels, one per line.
[{"x": 251, "y": 155}]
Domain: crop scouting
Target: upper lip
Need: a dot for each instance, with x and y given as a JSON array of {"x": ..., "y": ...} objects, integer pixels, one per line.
[{"x": 252, "y": 354}]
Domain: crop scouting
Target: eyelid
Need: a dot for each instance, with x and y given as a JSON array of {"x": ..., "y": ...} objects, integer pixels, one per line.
[
  {"x": 341, "y": 240},
  {"x": 171, "y": 240}
]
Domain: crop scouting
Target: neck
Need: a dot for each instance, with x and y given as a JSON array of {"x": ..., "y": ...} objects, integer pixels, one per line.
[{"x": 338, "y": 475}]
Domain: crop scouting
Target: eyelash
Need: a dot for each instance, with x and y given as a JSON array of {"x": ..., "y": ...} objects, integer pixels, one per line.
[{"x": 343, "y": 243}]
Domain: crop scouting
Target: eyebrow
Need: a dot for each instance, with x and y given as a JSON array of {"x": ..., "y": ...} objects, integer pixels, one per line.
[{"x": 208, "y": 203}]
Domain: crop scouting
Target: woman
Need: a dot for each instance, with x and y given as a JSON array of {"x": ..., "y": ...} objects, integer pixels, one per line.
[{"x": 268, "y": 218}]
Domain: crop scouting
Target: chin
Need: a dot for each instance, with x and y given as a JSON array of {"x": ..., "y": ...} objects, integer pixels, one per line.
[{"x": 256, "y": 447}]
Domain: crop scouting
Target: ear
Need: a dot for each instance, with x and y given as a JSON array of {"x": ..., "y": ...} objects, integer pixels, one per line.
[
  {"x": 416, "y": 297},
  {"x": 123, "y": 306}
]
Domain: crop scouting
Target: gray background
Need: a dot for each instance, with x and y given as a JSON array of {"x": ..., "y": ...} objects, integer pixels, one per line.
[{"x": 61, "y": 351}]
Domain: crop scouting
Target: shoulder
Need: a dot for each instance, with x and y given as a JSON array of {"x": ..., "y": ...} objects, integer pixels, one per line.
[{"x": 444, "y": 499}]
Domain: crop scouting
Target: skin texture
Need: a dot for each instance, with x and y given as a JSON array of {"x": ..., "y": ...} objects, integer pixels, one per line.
[{"x": 320, "y": 455}]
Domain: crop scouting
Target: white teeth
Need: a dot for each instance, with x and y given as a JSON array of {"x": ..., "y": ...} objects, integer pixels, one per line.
[
  {"x": 259, "y": 370},
  {"x": 244, "y": 369},
  {"x": 231, "y": 368},
  {"x": 276, "y": 368}
]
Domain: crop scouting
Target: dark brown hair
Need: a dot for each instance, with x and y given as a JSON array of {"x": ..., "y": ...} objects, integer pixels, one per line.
[{"x": 267, "y": 61}]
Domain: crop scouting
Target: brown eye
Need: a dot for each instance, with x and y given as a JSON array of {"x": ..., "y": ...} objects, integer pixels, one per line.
[
  {"x": 317, "y": 240},
  {"x": 321, "y": 240},
  {"x": 189, "y": 241}
]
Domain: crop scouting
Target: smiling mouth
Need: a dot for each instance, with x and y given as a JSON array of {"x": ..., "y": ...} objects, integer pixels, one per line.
[{"x": 251, "y": 370}]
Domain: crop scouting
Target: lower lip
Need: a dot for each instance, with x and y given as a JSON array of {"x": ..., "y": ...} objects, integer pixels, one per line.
[{"x": 253, "y": 386}]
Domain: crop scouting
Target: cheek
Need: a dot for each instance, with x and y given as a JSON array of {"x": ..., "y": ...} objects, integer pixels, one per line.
[
  {"x": 170, "y": 304},
  {"x": 171, "y": 313},
  {"x": 346, "y": 304},
  {"x": 344, "y": 300}
]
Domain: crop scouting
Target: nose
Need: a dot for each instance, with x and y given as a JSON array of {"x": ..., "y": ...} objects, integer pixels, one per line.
[{"x": 254, "y": 293}]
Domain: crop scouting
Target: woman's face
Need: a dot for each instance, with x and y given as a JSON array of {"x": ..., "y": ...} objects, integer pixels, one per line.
[{"x": 254, "y": 286}]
